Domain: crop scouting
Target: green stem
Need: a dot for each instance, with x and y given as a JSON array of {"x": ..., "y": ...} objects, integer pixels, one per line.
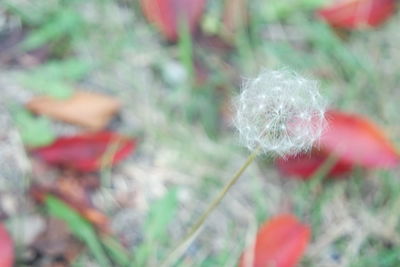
[{"x": 187, "y": 240}]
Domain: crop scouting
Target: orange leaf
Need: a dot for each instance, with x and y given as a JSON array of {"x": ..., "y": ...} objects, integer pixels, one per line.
[
  {"x": 6, "y": 248},
  {"x": 353, "y": 14},
  {"x": 280, "y": 242},
  {"x": 167, "y": 14},
  {"x": 357, "y": 141},
  {"x": 87, "y": 109}
]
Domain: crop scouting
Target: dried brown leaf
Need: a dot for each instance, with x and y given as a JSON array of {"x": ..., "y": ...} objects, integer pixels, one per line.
[{"x": 87, "y": 109}]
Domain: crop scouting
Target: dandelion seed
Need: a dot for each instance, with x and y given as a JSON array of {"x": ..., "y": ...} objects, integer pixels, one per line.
[
  {"x": 278, "y": 111},
  {"x": 290, "y": 116}
]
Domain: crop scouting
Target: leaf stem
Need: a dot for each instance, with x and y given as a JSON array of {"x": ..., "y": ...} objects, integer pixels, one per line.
[{"x": 189, "y": 237}]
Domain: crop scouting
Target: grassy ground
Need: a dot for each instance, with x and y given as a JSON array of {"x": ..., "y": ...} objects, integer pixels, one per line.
[{"x": 186, "y": 150}]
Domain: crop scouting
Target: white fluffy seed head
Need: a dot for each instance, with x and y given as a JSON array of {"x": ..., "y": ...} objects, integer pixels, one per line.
[{"x": 280, "y": 112}]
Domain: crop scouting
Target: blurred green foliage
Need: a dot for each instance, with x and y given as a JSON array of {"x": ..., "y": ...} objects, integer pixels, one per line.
[
  {"x": 55, "y": 78},
  {"x": 56, "y": 25},
  {"x": 81, "y": 228},
  {"x": 34, "y": 131},
  {"x": 160, "y": 215}
]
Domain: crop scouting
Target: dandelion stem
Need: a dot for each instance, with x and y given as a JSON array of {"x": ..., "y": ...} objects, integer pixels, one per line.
[{"x": 187, "y": 240}]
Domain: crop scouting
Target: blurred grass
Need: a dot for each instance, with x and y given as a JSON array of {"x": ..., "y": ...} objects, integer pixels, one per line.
[{"x": 79, "y": 226}]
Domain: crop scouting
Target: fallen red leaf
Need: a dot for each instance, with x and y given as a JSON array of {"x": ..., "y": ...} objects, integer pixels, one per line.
[
  {"x": 352, "y": 140},
  {"x": 355, "y": 140},
  {"x": 280, "y": 242},
  {"x": 87, "y": 152},
  {"x": 353, "y": 14},
  {"x": 168, "y": 14},
  {"x": 306, "y": 164},
  {"x": 6, "y": 248}
]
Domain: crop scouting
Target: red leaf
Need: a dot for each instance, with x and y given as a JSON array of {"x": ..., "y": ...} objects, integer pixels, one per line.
[
  {"x": 353, "y": 140},
  {"x": 167, "y": 14},
  {"x": 304, "y": 165},
  {"x": 6, "y": 248},
  {"x": 280, "y": 242},
  {"x": 85, "y": 152},
  {"x": 357, "y": 141},
  {"x": 354, "y": 14}
]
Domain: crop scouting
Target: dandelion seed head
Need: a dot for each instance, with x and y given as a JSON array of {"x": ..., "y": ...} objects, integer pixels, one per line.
[{"x": 281, "y": 112}]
